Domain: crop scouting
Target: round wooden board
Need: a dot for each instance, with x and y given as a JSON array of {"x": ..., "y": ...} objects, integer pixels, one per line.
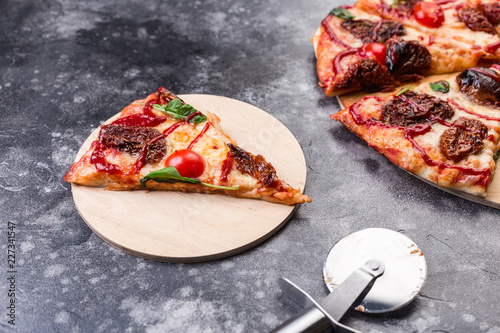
[
  {"x": 492, "y": 198},
  {"x": 192, "y": 227}
]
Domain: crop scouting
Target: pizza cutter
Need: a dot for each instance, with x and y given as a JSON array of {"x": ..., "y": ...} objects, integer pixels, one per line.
[{"x": 373, "y": 270}]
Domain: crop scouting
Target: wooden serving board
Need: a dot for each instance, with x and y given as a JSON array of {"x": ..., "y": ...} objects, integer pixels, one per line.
[
  {"x": 192, "y": 227},
  {"x": 492, "y": 198}
]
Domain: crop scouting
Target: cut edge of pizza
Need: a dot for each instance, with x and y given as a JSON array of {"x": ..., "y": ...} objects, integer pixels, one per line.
[
  {"x": 358, "y": 48},
  {"x": 446, "y": 132},
  {"x": 161, "y": 143}
]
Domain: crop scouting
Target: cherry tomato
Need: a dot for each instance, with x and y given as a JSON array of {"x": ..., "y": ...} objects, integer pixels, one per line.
[
  {"x": 189, "y": 163},
  {"x": 429, "y": 14},
  {"x": 376, "y": 50}
]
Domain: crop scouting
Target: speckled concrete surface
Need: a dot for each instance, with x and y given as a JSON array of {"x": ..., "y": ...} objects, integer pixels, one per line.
[{"x": 66, "y": 66}]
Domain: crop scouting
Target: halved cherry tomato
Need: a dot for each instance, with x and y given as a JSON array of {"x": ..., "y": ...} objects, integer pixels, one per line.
[
  {"x": 374, "y": 49},
  {"x": 429, "y": 14},
  {"x": 189, "y": 163}
]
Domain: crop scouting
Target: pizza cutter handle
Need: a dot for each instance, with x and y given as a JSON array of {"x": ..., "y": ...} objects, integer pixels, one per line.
[
  {"x": 313, "y": 319},
  {"x": 323, "y": 316},
  {"x": 309, "y": 320}
]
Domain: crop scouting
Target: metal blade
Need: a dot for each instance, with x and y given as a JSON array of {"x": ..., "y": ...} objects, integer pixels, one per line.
[{"x": 405, "y": 267}]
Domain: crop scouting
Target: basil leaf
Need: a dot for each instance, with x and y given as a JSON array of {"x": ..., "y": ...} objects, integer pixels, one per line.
[
  {"x": 185, "y": 110},
  {"x": 495, "y": 156},
  {"x": 171, "y": 175},
  {"x": 201, "y": 118},
  {"x": 402, "y": 91},
  {"x": 342, "y": 13},
  {"x": 178, "y": 110},
  {"x": 167, "y": 175},
  {"x": 173, "y": 107},
  {"x": 442, "y": 86}
]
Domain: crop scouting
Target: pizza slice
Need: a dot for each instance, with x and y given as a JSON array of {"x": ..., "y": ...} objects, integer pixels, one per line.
[
  {"x": 162, "y": 143},
  {"x": 446, "y": 132},
  {"x": 356, "y": 50},
  {"x": 474, "y": 22}
]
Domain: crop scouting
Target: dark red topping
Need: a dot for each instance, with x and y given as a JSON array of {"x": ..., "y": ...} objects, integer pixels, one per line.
[
  {"x": 491, "y": 11},
  {"x": 475, "y": 20},
  {"x": 407, "y": 57},
  {"x": 481, "y": 85},
  {"x": 226, "y": 167},
  {"x": 443, "y": 2},
  {"x": 244, "y": 161},
  {"x": 255, "y": 166},
  {"x": 367, "y": 74},
  {"x": 368, "y": 31},
  {"x": 265, "y": 171},
  {"x": 463, "y": 139},
  {"x": 97, "y": 158},
  {"x": 145, "y": 119},
  {"x": 139, "y": 119},
  {"x": 132, "y": 140},
  {"x": 411, "y": 108},
  {"x": 142, "y": 160}
]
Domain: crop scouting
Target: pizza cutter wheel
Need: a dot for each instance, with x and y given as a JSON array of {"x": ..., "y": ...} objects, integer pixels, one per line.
[{"x": 373, "y": 270}]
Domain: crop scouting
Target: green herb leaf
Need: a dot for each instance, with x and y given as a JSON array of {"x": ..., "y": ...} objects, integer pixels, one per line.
[
  {"x": 178, "y": 110},
  {"x": 495, "y": 156},
  {"x": 342, "y": 13},
  {"x": 402, "y": 91},
  {"x": 201, "y": 118},
  {"x": 442, "y": 86},
  {"x": 167, "y": 175},
  {"x": 171, "y": 175},
  {"x": 185, "y": 110}
]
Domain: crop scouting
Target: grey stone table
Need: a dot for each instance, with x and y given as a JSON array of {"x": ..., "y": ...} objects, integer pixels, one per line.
[{"x": 61, "y": 61}]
